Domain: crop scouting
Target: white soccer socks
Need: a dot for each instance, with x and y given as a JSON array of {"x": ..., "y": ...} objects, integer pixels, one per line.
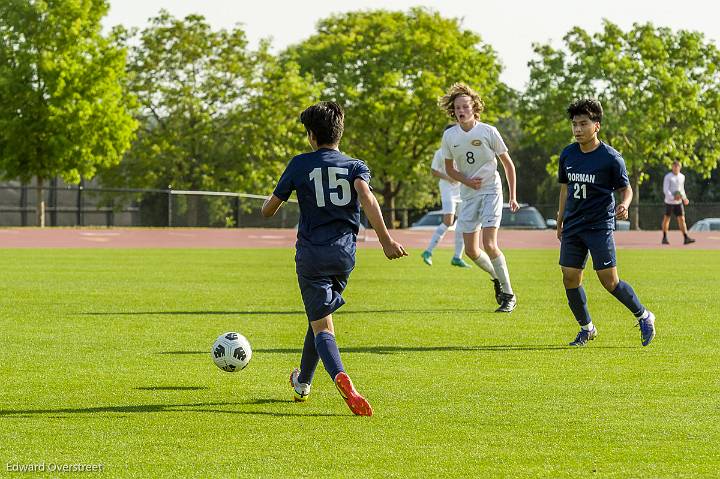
[
  {"x": 459, "y": 244},
  {"x": 437, "y": 236},
  {"x": 484, "y": 262},
  {"x": 503, "y": 275}
]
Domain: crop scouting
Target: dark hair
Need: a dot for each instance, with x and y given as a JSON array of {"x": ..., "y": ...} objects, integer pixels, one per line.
[
  {"x": 326, "y": 120},
  {"x": 448, "y": 126},
  {"x": 586, "y": 106}
]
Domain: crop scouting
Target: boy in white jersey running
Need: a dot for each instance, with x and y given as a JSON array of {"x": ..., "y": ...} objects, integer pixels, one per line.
[
  {"x": 450, "y": 198},
  {"x": 471, "y": 150}
]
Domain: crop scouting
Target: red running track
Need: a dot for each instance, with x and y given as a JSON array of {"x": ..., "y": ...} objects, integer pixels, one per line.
[{"x": 285, "y": 238}]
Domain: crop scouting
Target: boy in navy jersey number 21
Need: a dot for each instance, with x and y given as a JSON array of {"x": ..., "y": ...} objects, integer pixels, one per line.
[
  {"x": 330, "y": 189},
  {"x": 589, "y": 172}
]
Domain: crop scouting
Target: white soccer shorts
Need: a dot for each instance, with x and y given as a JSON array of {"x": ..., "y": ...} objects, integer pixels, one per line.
[
  {"x": 480, "y": 211},
  {"x": 450, "y": 198}
]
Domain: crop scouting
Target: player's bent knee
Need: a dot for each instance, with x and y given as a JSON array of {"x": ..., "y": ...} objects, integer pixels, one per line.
[
  {"x": 472, "y": 253},
  {"x": 572, "y": 278},
  {"x": 608, "y": 278}
]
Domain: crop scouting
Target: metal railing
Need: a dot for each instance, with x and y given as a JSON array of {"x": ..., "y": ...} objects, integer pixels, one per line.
[{"x": 93, "y": 206}]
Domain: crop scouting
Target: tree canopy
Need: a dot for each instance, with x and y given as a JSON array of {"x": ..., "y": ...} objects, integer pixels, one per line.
[
  {"x": 214, "y": 115},
  {"x": 660, "y": 91},
  {"x": 64, "y": 111},
  {"x": 388, "y": 70}
]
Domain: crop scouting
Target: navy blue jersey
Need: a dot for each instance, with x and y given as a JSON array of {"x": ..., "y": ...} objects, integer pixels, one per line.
[
  {"x": 591, "y": 179},
  {"x": 329, "y": 209}
]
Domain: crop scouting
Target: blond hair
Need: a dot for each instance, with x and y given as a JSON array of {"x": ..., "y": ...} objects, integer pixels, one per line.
[{"x": 447, "y": 101}]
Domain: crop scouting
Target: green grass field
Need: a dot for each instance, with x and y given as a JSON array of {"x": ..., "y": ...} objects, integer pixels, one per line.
[{"x": 105, "y": 359}]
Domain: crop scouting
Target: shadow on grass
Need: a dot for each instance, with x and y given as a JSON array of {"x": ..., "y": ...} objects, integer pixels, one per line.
[
  {"x": 271, "y": 313},
  {"x": 171, "y": 388},
  {"x": 160, "y": 408},
  {"x": 418, "y": 349}
]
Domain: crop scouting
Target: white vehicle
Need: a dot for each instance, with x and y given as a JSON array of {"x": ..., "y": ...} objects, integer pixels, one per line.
[
  {"x": 706, "y": 224},
  {"x": 622, "y": 225},
  {"x": 526, "y": 218},
  {"x": 429, "y": 222}
]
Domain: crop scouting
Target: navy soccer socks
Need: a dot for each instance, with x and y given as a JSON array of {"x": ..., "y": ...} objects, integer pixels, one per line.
[
  {"x": 327, "y": 349},
  {"x": 309, "y": 359},
  {"x": 626, "y": 295},
  {"x": 578, "y": 305}
]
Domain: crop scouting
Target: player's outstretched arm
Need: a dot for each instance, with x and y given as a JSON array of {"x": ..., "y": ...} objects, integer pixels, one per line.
[
  {"x": 370, "y": 206},
  {"x": 271, "y": 206},
  {"x": 509, "y": 168},
  {"x": 561, "y": 209},
  {"x": 621, "y": 211}
]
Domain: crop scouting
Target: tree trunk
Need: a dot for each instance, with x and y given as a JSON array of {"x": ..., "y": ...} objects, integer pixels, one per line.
[
  {"x": 635, "y": 203},
  {"x": 40, "y": 211},
  {"x": 389, "y": 204}
]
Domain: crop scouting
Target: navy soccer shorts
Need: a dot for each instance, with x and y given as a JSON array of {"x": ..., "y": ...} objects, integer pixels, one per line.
[
  {"x": 575, "y": 246},
  {"x": 322, "y": 295}
]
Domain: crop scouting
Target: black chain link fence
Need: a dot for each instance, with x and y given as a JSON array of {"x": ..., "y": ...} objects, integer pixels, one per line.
[{"x": 70, "y": 205}]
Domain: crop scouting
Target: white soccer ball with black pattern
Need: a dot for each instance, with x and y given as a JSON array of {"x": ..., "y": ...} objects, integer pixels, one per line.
[{"x": 231, "y": 352}]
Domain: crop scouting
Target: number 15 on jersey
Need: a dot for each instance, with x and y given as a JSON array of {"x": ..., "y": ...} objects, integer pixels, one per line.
[{"x": 339, "y": 187}]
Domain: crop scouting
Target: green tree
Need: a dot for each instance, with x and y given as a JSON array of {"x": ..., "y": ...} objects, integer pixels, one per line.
[
  {"x": 214, "y": 115},
  {"x": 660, "y": 90},
  {"x": 187, "y": 78},
  {"x": 63, "y": 110},
  {"x": 388, "y": 70}
]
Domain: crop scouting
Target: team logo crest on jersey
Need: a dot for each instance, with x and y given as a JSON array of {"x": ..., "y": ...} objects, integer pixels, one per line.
[{"x": 476, "y": 143}]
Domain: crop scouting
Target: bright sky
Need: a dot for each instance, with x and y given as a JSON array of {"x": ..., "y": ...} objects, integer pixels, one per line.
[{"x": 509, "y": 26}]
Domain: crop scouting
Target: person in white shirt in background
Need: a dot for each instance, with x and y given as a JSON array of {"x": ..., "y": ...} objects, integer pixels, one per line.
[
  {"x": 675, "y": 202},
  {"x": 450, "y": 199}
]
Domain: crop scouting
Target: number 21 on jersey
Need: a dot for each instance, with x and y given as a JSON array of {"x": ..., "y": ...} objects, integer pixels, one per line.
[
  {"x": 579, "y": 191},
  {"x": 341, "y": 195}
]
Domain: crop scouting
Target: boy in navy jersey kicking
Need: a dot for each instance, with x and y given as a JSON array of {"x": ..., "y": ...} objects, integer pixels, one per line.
[
  {"x": 589, "y": 172},
  {"x": 330, "y": 189}
]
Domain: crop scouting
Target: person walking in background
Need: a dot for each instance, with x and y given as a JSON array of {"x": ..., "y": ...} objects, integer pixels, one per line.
[{"x": 675, "y": 202}]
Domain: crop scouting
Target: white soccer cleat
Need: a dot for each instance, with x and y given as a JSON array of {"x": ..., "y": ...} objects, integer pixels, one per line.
[{"x": 302, "y": 390}]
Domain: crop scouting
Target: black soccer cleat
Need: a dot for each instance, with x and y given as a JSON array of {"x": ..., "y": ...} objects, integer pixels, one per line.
[
  {"x": 508, "y": 303},
  {"x": 498, "y": 290},
  {"x": 647, "y": 328},
  {"x": 584, "y": 336},
  {"x": 688, "y": 240}
]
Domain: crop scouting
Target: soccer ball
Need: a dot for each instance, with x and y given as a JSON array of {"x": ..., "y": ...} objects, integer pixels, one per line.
[{"x": 231, "y": 352}]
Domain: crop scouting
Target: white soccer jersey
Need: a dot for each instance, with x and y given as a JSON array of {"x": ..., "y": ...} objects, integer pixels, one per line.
[
  {"x": 449, "y": 192},
  {"x": 475, "y": 154}
]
